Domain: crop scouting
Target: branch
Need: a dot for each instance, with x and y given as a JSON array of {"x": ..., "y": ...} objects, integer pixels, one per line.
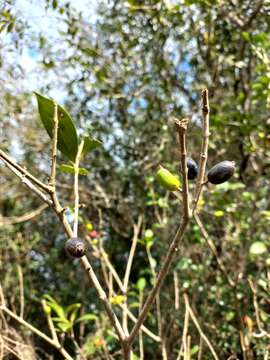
[
  {"x": 204, "y": 149},
  {"x": 26, "y": 217},
  {"x": 49, "y": 321},
  {"x": 21, "y": 287},
  {"x": 8, "y": 160},
  {"x": 127, "y": 273},
  {"x": 196, "y": 323},
  {"x": 39, "y": 333},
  {"x": 173, "y": 249},
  {"x": 25, "y": 180},
  {"x": 76, "y": 189},
  {"x": 102, "y": 296},
  {"x": 181, "y": 127},
  {"x": 213, "y": 249},
  {"x": 60, "y": 211},
  {"x": 257, "y": 310}
]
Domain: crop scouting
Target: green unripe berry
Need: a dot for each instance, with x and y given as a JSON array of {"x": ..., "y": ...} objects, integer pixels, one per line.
[{"x": 167, "y": 179}]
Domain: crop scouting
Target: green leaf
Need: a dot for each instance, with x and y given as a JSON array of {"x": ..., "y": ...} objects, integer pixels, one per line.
[
  {"x": 71, "y": 307},
  {"x": 257, "y": 248},
  {"x": 67, "y": 134},
  {"x": 90, "y": 144},
  {"x": 141, "y": 283},
  {"x": 64, "y": 326},
  {"x": 69, "y": 169},
  {"x": 86, "y": 317},
  {"x": 55, "y": 307}
]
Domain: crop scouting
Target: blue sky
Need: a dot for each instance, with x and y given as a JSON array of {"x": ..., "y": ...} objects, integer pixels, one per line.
[{"x": 48, "y": 23}]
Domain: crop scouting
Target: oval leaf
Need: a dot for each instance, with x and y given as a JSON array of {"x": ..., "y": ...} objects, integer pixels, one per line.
[
  {"x": 86, "y": 317},
  {"x": 90, "y": 144},
  {"x": 69, "y": 169},
  {"x": 67, "y": 136}
]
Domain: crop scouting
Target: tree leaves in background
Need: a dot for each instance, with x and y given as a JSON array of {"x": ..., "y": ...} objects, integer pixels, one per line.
[{"x": 67, "y": 134}]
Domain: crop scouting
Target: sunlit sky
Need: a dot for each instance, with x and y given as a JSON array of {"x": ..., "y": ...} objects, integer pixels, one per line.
[{"x": 48, "y": 23}]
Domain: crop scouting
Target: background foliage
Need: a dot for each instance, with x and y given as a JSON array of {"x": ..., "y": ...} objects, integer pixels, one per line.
[{"x": 122, "y": 69}]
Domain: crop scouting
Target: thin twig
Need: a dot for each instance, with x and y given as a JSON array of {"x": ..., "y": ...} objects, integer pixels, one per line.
[
  {"x": 202, "y": 334},
  {"x": 25, "y": 181},
  {"x": 257, "y": 310},
  {"x": 106, "y": 259},
  {"x": 174, "y": 244},
  {"x": 204, "y": 149},
  {"x": 21, "y": 287},
  {"x": 158, "y": 311},
  {"x": 141, "y": 347},
  {"x": 23, "y": 218},
  {"x": 76, "y": 189},
  {"x": 185, "y": 332},
  {"x": 113, "y": 272},
  {"x": 136, "y": 229},
  {"x": 39, "y": 333},
  {"x": 49, "y": 321},
  {"x": 213, "y": 249},
  {"x": 176, "y": 291},
  {"x": 181, "y": 127},
  {"x": 102, "y": 296},
  {"x": 7, "y": 159}
]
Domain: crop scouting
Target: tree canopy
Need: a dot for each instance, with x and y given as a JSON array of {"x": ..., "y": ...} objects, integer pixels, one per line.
[{"x": 120, "y": 71}]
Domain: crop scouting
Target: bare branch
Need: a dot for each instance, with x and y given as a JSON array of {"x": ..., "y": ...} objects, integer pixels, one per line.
[
  {"x": 175, "y": 243},
  {"x": 23, "y": 218},
  {"x": 213, "y": 249},
  {"x": 8, "y": 160},
  {"x": 196, "y": 323},
  {"x": 25, "y": 180},
  {"x": 136, "y": 230},
  {"x": 76, "y": 189},
  {"x": 204, "y": 149},
  {"x": 39, "y": 333}
]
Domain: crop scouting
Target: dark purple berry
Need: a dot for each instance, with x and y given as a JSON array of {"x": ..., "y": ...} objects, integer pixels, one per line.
[
  {"x": 75, "y": 247},
  {"x": 221, "y": 172},
  {"x": 192, "y": 169}
]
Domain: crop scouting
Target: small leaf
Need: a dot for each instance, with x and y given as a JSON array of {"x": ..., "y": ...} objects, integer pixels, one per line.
[
  {"x": 55, "y": 307},
  {"x": 69, "y": 169},
  {"x": 90, "y": 144},
  {"x": 257, "y": 248},
  {"x": 72, "y": 307},
  {"x": 67, "y": 135},
  {"x": 64, "y": 326},
  {"x": 86, "y": 317},
  {"x": 141, "y": 283}
]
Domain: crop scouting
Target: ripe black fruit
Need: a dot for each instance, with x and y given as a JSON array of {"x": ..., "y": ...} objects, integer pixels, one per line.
[
  {"x": 192, "y": 169},
  {"x": 75, "y": 247},
  {"x": 221, "y": 172}
]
